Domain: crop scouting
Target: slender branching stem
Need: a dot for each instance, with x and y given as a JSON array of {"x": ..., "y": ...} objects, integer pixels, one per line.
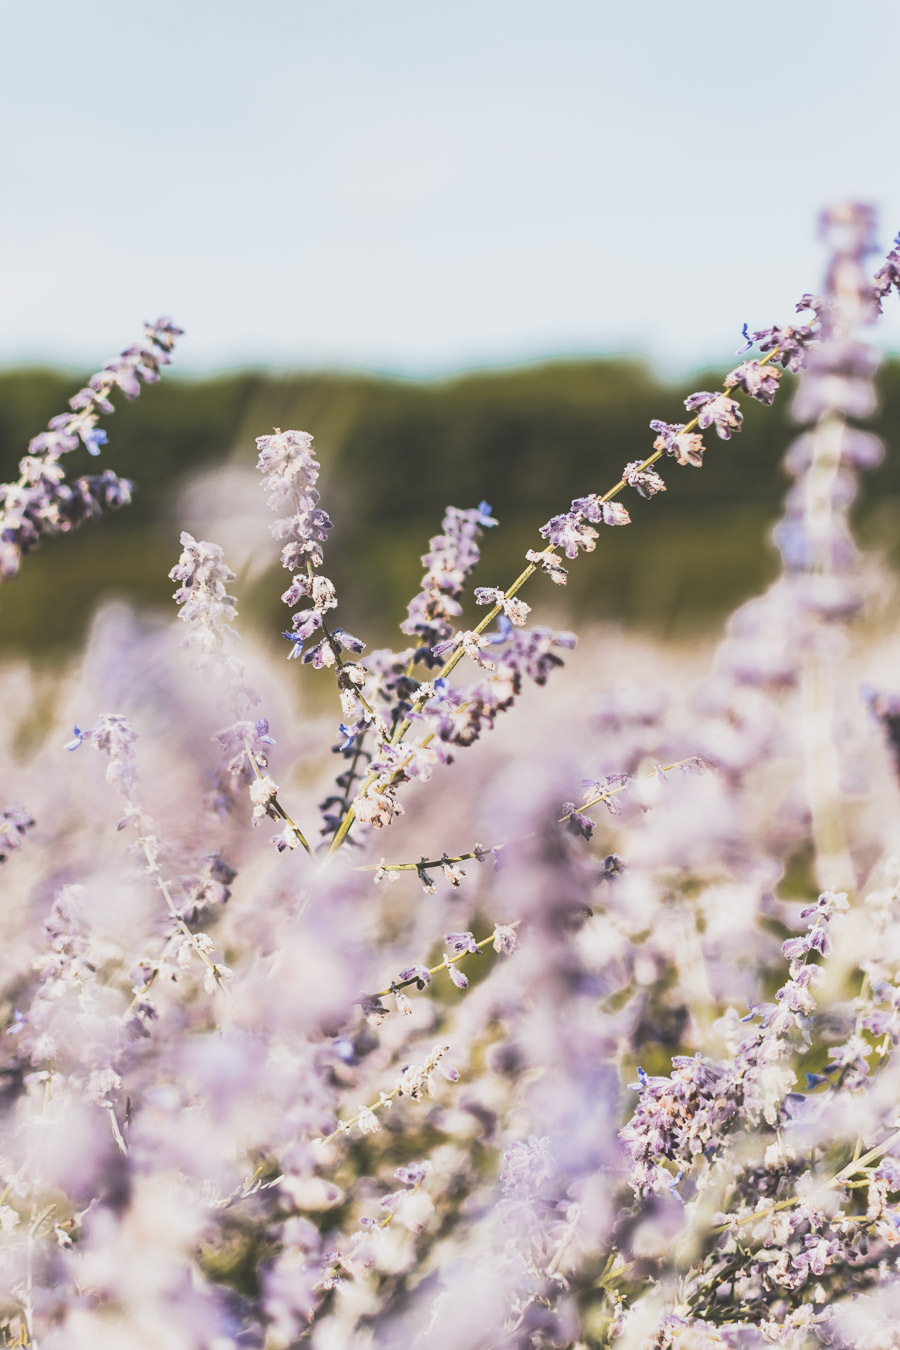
[
  {"x": 455, "y": 657},
  {"x": 433, "y": 970},
  {"x": 275, "y": 807},
  {"x": 479, "y": 852}
]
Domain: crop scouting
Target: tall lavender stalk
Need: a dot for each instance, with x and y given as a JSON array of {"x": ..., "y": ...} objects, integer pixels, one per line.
[{"x": 41, "y": 502}]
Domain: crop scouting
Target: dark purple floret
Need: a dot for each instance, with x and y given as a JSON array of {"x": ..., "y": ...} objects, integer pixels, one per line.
[
  {"x": 611, "y": 867},
  {"x": 577, "y": 822},
  {"x": 348, "y": 641},
  {"x": 646, "y": 482},
  {"x": 716, "y": 410},
  {"x": 792, "y": 343},
  {"x": 760, "y": 382},
  {"x": 570, "y": 533},
  {"x": 462, "y": 942},
  {"x": 306, "y": 622},
  {"x": 590, "y": 508},
  {"x": 318, "y": 656},
  {"x": 598, "y": 511},
  {"x": 420, "y": 974},
  {"x": 88, "y": 497}
]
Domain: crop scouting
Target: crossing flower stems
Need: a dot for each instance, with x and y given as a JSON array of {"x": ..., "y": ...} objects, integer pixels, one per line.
[{"x": 580, "y": 1034}]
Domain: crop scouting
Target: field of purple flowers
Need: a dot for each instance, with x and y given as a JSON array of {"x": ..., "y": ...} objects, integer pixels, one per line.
[{"x": 474, "y": 1013}]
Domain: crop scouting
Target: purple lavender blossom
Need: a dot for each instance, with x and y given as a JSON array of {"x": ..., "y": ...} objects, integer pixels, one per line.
[
  {"x": 41, "y": 502},
  {"x": 646, "y": 482},
  {"x": 791, "y": 343},
  {"x": 686, "y": 447},
  {"x": 570, "y": 533},
  {"x": 449, "y": 563},
  {"x": 419, "y": 974},
  {"x": 760, "y": 382},
  {"x": 717, "y": 410},
  {"x": 290, "y": 472},
  {"x": 598, "y": 511}
]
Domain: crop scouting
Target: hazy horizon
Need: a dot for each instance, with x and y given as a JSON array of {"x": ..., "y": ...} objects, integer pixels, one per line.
[{"x": 426, "y": 192}]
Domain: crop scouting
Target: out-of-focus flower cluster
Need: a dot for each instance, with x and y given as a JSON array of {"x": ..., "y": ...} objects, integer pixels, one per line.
[{"x": 589, "y": 1039}]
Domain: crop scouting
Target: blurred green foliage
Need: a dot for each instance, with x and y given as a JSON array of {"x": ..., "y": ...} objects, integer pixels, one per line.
[{"x": 394, "y": 453}]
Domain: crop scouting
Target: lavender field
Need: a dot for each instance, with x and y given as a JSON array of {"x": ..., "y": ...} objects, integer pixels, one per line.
[{"x": 506, "y": 988}]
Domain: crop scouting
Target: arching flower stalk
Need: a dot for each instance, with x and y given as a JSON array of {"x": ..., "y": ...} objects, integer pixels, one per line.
[{"x": 41, "y": 502}]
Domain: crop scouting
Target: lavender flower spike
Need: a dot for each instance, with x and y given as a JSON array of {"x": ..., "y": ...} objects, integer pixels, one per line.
[
  {"x": 449, "y": 563},
  {"x": 290, "y": 472},
  {"x": 41, "y": 502}
]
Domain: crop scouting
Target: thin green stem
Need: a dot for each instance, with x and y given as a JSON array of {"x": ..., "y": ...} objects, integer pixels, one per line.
[
  {"x": 433, "y": 970},
  {"x": 425, "y": 864},
  {"x": 453, "y": 660},
  {"x": 351, "y": 771},
  {"x": 853, "y": 1166},
  {"x": 385, "y": 1098},
  {"x": 274, "y": 805}
]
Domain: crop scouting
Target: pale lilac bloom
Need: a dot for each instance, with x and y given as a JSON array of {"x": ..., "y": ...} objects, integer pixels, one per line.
[{"x": 42, "y": 502}]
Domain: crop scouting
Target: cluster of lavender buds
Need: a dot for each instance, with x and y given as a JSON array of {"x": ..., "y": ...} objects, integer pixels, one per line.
[
  {"x": 790, "y": 1233},
  {"x": 384, "y": 691},
  {"x": 290, "y": 472},
  {"x": 573, "y": 530},
  {"x": 451, "y": 558},
  {"x": 299, "y": 1147},
  {"x": 41, "y": 502}
]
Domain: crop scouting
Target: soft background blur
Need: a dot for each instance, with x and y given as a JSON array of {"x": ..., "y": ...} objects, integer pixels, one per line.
[{"x": 353, "y": 207}]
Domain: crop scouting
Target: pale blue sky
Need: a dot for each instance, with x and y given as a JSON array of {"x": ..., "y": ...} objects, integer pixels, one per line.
[{"x": 419, "y": 187}]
